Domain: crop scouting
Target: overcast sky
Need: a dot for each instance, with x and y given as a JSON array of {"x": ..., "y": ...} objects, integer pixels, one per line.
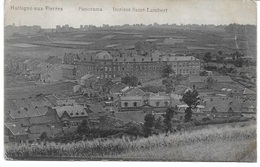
[{"x": 178, "y": 12}]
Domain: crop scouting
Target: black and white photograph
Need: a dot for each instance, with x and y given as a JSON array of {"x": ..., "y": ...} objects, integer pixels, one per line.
[{"x": 139, "y": 80}]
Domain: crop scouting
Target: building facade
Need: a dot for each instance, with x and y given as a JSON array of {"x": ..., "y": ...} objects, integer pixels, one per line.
[{"x": 109, "y": 65}]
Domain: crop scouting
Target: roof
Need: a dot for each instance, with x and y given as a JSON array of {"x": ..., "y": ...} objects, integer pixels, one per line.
[
  {"x": 248, "y": 92},
  {"x": 43, "y": 120},
  {"x": 53, "y": 99},
  {"x": 197, "y": 78},
  {"x": 104, "y": 55},
  {"x": 101, "y": 81},
  {"x": 180, "y": 58},
  {"x": 72, "y": 111},
  {"x": 109, "y": 84},
  {"x": 16, "y": 128},
  {"x": 134, "y": 92},
  {"x": 222, "y": 104},
  {"x": 132, "y": 116},
  {"x": 249, "y": 104},
  {"x": 133, "y": 98},
  {"x": 86, "y": 76},
  {"x": 28, "y": 112},
  {"x": 118, "y": 88}
]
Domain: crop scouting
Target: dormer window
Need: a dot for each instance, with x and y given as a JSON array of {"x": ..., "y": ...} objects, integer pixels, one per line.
[{"x": 71, "y": 114}]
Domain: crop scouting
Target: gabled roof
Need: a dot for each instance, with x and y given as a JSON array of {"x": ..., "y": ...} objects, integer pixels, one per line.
[
  {"x": 16, "y": 128},
  {"x": 248, "y": 92},
  {"x": 223, "y": 104},
  {"x": 72, "y": 111},
  {"x": 134, "y": 92}
]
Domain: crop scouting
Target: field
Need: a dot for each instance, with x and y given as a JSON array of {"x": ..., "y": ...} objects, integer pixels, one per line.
[
  {"x": 194, "y": 41},
  {"x": 212, "y": 143}
]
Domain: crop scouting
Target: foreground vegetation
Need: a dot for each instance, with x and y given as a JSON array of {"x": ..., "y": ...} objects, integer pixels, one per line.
[{"x": 212, "y": 143}]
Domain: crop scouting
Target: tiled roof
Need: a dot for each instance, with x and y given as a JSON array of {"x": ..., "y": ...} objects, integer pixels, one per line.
[
  {"x": 134, "y": 92},
  {"x": 248, "y": 92},
  {"x": 222, "y": 104},
  {"x": 132, "y": 116},
  {"x": 72, "y": 111},
  {"x": 196, "y": 78},
  {"x": 28, "y": 112},
  {"x": 118, "y": 88},
  {"x": 86, "y": 76},
  {"x": 53, "y": 99},
  {"x": 16, "y": 128},
  {"x": 43, "y": 120},
  {"x": 249, "y": 104}
]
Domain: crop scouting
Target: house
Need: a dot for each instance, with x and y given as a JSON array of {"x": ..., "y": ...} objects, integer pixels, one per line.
[
  {"x": 135, "y": 100},
  {"x": 116, "y": 91},
  {"x": 71, "y": 115},
  {"x": 247, "y": 93},
  {"x": 87, "y": 80},
  {"x": 206, "y": 82},
  {"x": 15, "y": 132},
  {"x": 68, "y": 71},
  {"x": 222, "y": 106},
  {"x": 134, "y": 91}
]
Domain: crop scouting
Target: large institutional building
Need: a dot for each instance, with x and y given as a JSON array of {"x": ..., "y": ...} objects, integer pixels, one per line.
[{"x": 117, "y": 63}]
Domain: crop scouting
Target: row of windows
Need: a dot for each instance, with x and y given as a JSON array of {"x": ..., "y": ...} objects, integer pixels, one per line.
[
  {"x": 166, "y": 103},
  {"x": 142, "y": 59}
]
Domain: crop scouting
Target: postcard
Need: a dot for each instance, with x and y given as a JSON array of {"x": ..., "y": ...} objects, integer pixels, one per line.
[{"x": 139, "y": 80}]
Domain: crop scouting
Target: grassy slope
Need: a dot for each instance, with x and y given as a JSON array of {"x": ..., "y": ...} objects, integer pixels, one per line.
[
  {"x": 221, "y": 150},
  {"x": 213, "y": 143}
]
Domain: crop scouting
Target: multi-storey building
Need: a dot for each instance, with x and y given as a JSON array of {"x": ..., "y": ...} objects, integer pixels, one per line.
[
  {"x": 184, "y": 64},
  {"x": 112, "y": 65}
]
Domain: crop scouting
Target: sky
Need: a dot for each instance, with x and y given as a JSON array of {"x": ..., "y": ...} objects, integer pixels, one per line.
[{"x": 178, "y": 12}]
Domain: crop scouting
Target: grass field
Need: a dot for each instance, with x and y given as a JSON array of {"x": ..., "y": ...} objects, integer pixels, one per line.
[{"x": 212, "y": 143}]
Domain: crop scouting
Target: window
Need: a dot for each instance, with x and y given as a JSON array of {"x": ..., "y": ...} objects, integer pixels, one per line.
[
  {"x": 126, "y": 104},
  {"x": 135, "y": 104},
  {"x": 166, "y": 103},
  {"x": 142, "y": 59},
  {"x": 157, "y": 104},
  {"x": 151, "y": 59}
]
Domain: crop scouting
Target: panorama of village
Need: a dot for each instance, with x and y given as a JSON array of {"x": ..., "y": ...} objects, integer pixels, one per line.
[{"x": 138, "y": 92}]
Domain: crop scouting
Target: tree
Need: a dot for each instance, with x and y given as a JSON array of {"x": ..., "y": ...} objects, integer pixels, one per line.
[
  {"x": 203, "y": 73},
  {"x": 167, "y": 71},
  {"x": 83, "y": 128},
  {"x": 192, "y": 100},
  {"x": 130, "y": 80},
  {"x": 44, "y": 136},
  {"x": 168, "y": 119},
  {"x": 169, "y": 84},
  {"x": 219, "y": 58},
  {"x": 207, "y": 57},
  {"x": 149, "y": 120}
]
